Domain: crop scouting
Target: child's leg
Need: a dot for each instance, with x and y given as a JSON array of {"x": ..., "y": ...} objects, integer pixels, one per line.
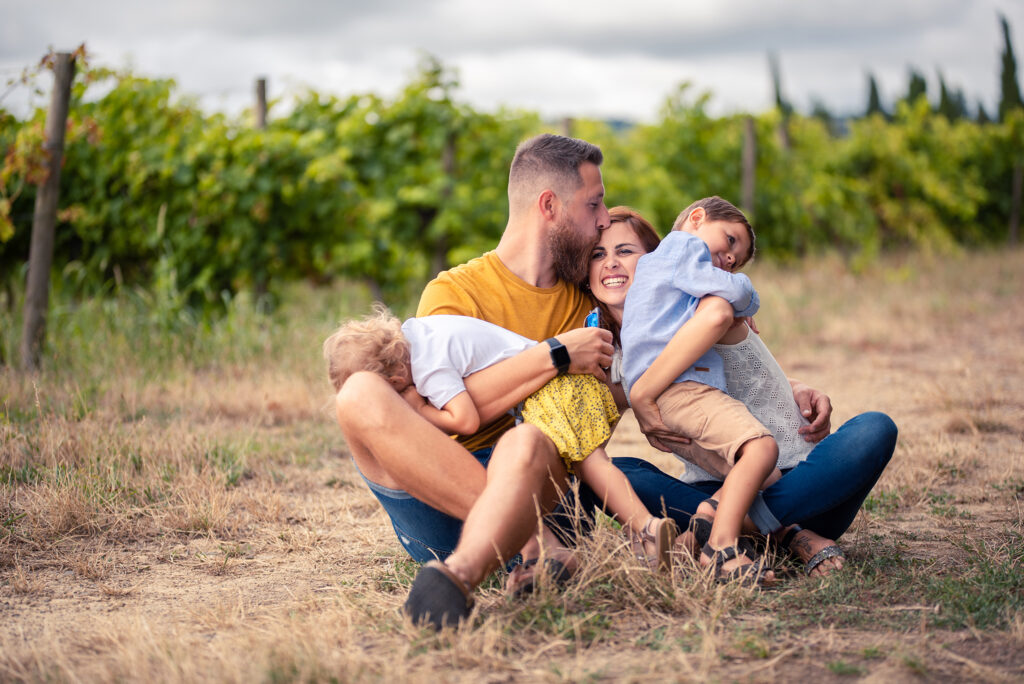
[
  {"x": 755, "y": 462},
  {"x": 650, "y": 537},
  {"x": 613, "y": 488}
]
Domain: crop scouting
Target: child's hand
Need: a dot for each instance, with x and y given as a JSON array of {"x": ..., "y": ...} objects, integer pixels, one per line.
[{"x": 413, "y": 398}]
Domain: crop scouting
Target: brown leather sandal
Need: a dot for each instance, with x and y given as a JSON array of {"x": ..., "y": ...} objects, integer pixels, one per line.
[{"x": 654, "y": 545}]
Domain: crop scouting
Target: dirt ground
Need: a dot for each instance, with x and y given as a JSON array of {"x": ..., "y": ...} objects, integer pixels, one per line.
[{"x": 302, "y": 577}]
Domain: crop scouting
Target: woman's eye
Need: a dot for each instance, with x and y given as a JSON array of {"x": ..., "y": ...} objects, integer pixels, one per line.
[
  {"x": 732, "y": 240},
  {"x": 596, "y": 255}
]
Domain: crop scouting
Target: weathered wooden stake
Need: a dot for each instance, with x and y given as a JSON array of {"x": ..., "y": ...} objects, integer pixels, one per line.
[
  {"x": 40, "y": 259},
  {"x": 749, "y": 164},
  {"x": 1015, "y": 191},
  {"x": 261, "y": 103},
  {"x": 567, "y": 127}
]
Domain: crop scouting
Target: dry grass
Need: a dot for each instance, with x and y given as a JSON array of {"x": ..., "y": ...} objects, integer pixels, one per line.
[{"x": 181, "y": 508}]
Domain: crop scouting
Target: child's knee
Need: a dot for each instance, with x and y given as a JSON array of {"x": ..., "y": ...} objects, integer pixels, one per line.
[{"x": 764, "y": 449}]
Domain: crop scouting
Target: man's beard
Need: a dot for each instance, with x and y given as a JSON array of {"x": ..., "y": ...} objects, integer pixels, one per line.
[{"x": 570, "y": 250}]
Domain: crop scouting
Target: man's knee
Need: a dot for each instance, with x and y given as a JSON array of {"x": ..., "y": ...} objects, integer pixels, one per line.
[
  {"x": 529, "y": 450},
  {"x": 360, "y": 403}
]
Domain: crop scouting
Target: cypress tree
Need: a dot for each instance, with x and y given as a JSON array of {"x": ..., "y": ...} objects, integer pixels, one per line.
[
  {"x": 983, "y": 117},
  {"x": 1010, "y": 98},
  {"x": 916, "y": 87},
  {"x": 874, "y": 100},
  {"x": 951, "y": 102}
]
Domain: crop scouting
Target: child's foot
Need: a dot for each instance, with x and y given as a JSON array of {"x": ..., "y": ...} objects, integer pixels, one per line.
[
  {"x": 698, "y": 533},
  {"x": 821, "y": 556},
  {"x": 738, "y": 562},
  {"x": 654, "y": 544}
]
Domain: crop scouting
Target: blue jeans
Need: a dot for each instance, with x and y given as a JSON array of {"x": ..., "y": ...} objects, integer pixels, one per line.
[
  {"x": 823, "y": 493},
  {"x": 427, "y": 533}
]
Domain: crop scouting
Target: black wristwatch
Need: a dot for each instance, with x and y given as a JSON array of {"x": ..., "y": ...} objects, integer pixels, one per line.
[{"x": 559, "y": 355}]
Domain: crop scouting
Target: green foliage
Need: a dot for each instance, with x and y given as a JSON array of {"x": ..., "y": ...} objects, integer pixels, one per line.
[{"x": 187, "y": 209}]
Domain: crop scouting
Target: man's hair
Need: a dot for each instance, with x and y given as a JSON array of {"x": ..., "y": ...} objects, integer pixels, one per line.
[
  {"x": 718, "y": 209},
  {"x": 549, "y": 161},
  {"x": 374, "y": 343}
]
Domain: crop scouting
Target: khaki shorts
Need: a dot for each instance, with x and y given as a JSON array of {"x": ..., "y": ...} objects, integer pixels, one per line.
[{"x": 713, "y": 420}]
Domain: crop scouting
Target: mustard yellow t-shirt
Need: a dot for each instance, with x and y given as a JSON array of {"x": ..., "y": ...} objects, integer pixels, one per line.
[{"x": 484, "y": 288}]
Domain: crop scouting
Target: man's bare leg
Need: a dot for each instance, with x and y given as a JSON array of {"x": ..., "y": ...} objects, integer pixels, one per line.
[
  {"x": 525, "y": 476},
  {"x": 394, "y": 447}
]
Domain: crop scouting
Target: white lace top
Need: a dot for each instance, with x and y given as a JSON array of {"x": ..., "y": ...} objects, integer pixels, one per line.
[{"x": 753, "y": 376}]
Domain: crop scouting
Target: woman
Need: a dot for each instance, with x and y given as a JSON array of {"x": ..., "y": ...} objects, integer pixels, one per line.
[{"x": 821, "y": 488}]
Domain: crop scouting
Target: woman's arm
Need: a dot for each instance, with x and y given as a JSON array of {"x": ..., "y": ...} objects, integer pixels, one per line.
[{"x": 498, "y": 388}]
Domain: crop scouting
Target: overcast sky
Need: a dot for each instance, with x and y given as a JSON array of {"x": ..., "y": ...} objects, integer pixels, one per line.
[{"x": 559, "y": 57}]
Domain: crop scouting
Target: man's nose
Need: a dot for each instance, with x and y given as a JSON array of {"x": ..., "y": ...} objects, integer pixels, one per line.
[{"x": 604, "y": 219}]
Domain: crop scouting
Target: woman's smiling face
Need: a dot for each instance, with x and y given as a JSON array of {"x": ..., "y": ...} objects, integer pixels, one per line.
[{"x": 612, "y": 264}]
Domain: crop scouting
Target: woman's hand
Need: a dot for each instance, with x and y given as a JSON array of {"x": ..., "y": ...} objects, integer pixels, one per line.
[
  {"x": 657, "y": 433},
  {"x": 816, "y": 407}
]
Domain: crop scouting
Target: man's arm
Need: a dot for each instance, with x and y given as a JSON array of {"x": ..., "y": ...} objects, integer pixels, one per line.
[
  {"x": 713, "y": 317},
  {"x": 498, "y": 388}
]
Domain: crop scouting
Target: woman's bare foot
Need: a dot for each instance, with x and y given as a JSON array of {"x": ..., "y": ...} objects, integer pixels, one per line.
[{"x": 821, "y": 556}]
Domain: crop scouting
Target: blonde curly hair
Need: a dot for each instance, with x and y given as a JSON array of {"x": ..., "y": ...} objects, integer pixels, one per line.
[{"x": 374, "y": 343}]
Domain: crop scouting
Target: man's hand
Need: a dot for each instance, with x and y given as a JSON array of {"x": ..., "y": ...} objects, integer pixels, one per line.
[
  {"x": 816, "y": 407},
  {"x": 590, "y": 350},
  {"x": 657, "y": 433}
]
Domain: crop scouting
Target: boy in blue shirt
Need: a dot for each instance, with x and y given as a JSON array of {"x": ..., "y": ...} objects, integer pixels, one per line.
[{"x": 710, "y": 240}]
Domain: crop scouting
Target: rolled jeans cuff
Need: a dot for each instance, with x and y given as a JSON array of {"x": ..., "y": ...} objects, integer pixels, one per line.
[{"x": 763, "y": 518}]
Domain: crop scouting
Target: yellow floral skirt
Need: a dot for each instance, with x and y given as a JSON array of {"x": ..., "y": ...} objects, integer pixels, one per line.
[{"x": 577, "y": 412}]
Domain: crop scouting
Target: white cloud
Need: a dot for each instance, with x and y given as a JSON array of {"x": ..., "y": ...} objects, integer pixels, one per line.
[{"x": 569, "y": 57}]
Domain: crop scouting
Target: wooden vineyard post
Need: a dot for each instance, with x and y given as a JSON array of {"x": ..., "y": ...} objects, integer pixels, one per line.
[
  {"x": 44, "y": 219},
  {"x": 1015, "y": 201},
  {"x": 261, "y": 103}
]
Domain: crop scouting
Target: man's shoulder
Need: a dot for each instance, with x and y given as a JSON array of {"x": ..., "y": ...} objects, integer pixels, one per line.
[{"x": 454, "y": 291}]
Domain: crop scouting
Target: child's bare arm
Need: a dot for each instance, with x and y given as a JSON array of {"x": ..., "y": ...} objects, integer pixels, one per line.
[
  {"x": 713, "y": 317},
  {"x": 691, "y": 341},
  {"x": 458, "y": 417}
]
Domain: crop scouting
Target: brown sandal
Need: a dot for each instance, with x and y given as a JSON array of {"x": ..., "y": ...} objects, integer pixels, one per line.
[{"x": 654, "y": 545}]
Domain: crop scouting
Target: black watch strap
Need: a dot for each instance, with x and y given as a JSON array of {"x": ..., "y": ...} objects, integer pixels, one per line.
[{"x": 559, "y": 355}]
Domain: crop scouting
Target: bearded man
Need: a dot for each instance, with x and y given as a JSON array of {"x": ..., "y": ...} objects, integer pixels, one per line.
[{"x": 465, "y": 506}]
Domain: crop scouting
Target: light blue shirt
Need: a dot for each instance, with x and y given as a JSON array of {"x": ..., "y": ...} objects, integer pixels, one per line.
[{"x": 667, "y": 286}]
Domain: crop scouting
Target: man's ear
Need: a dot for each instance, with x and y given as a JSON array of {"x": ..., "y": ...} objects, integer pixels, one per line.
[{"x": 548, "y": 204}]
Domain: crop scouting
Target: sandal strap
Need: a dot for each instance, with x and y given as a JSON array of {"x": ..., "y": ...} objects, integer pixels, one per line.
[
  {"x": 787, "y": 538},
  {"x": 831, "y": 551}
]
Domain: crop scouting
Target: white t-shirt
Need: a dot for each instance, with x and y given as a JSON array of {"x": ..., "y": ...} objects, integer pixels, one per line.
[{"x": 445, "y": 349}]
